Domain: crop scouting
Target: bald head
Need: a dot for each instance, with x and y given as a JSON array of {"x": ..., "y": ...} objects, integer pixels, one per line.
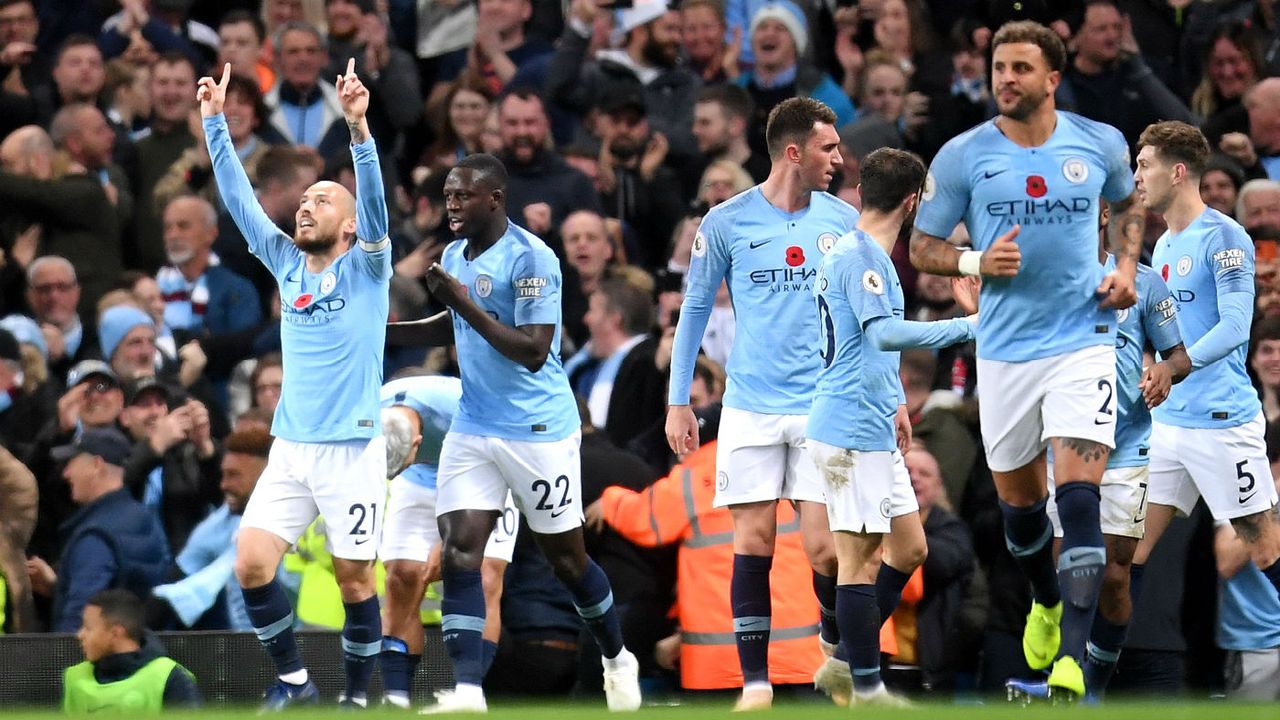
[
  {"x": 28, "y": 151},
  {"x": 1263, "y": 105},
  {"x": 1266, "y": 94},
  {"x": 326, "y": 215}
]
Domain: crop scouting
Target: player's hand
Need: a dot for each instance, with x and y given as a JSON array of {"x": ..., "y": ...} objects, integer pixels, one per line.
[
  {"x": 443, "y": 286},
  {"x": 902, "y": 429},
  {"x": 1118, "y": 290},
  {"x": 353, "y": 94},
  {"x": 1003, "y": 258},
  {"x": 966, "y": 289},
  {"x": 1156, "y": 381},
  {"x": 211, "y": 94},
  {"x": 593, "y": 517},
  {"x": 682, "y": 430}
]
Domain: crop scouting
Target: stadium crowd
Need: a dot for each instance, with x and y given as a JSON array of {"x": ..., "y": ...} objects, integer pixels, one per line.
[{"x": 140, "y": 341}]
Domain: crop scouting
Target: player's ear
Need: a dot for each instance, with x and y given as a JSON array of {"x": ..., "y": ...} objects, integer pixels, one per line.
[
  {"x": 496, "y": 198},
  {"x": 792, "y": 152},
  {"x": 349, "y": 226},
  {"x": 909, "y": 202}
]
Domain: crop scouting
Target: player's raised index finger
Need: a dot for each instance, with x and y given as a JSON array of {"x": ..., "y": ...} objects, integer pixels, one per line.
[
  {"x": 351, "y": 66},
  {"x": 226, "y": 76}
]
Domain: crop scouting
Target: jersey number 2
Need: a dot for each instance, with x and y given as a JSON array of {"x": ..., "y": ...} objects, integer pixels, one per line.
[{"x": 544, "y": 487}]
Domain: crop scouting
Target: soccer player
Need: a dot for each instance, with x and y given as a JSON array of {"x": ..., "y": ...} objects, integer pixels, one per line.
[
  {"x": 1151, "y": 323},
  {"x": 858, "y": 426},
  {"x": 1027, "y": 185},
  {"x": 516, "y": 428},
  {"x": 768, "y": 242},
  {"x": 329, "y": 457},
  {"x": 1207, "y": 439},
  {"x": 416, "y": 414}
]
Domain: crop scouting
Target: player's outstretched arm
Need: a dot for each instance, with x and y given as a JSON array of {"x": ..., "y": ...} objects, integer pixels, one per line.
[
  {"x": 435, "y": 331},
  {"x": 526, "y": 345},
  {"x": 233, "y": 184},
  {"x": 891, "y": 333},
  {"x": 371, "y": 198}
]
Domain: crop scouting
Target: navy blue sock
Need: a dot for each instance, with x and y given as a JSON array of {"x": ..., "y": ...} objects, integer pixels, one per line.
[
  {"x": 1102, "y": 653},
  {"x": 272, "y": 617},
  {"x": 490, "y": 651},
  {"x": 1273, "y": 574},
  {"x": 1136, "y": 574},
  {"x": 398, "y": 666},
  {"x": 824, "y": 586},
  {"x": 889, "y": 583},
  {"x": 1028, "y": 535},
  {"x": 593, "y": 599},
  {"x": 361, "y": 643},
  {"x": 752, "y": 614},
  {"x": 463, "y": 621},
  {"x": 860, "y": 633},
  {"x": 1080, "y": 563}
]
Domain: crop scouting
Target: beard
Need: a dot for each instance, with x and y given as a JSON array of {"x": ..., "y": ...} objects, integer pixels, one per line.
[
  {"x": 624, "y": 148},
  {"x": 1026, "y": 105},
  {"x": 178, "y": 257},
  {"x": 317, "y": 244},
  {"x": 664, "y": 55}
]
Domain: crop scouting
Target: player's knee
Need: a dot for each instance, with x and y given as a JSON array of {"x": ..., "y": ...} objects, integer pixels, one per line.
[
  {"x": 913, "y": 556},
  {"x": 404, "y": 578},
  {"x": 456, "y": 558},
  {"x": 1115, "y": 580},
  {"x": 251, "y": 572},
  {"x": 822, "y": 555},
  {"x": 568, "y": 567}
]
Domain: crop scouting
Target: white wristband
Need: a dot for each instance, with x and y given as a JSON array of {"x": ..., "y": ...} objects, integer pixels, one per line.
[{"x": 971, "y": 262}]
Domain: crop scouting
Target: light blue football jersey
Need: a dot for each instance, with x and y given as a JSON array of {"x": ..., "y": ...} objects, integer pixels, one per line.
[
  {"x": 1153, "y": 321},
  {"x": 981, "y": 177},
  {"x": 332, "y": 323},
  {"x": 1210, "y": 257},
  {"x": 517, "y": 281},
  {"x": 858, "y": 389},
  {"x": 770, "y": 259},
  {"x": 435, "y": 399}
]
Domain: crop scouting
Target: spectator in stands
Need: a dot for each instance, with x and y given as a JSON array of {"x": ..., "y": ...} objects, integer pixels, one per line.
[
  {"x": 192, "y": 171},
  {"x": 458, "y": 119},
  {"x": 174, "y": 467},
  {"x": 357, "y": 30},
  {"x": 124, "y": 670},
  {"x": 202, "y": 592},
  {"x": 501, "y": 52},
  {"x": 935, "y": 422},
  {"x": 1232, "y": 65},
  {"x": 1107, "y": 80},
  {"x": 25, "y": 71},
  {"x": 615, "y": 371},
  {"x": 127, "y": 337},
  {"x": 24, "y": 376},
  {"x": 78, "y": 74},
  {"x": 78, "y": 219},
  {"x": 304, "y": 108},
  {"x": 266, "y": 381},
  {"x": 146, "y": 295},
  {"x": 703, "y": 35},
  {"x": 1258, "y": 205},
  {"x": 542, "y": 189},
  {"x": 955, "y": 366},
  {"x": 172, "y": 104},
  {"x": 53, "y": 293},
  {"x": 721, "y": 119},
  {"x": 949, "y": 618},
  {"x": 1264, "y": 365},
  {"x": 1220, "y": 184},
  {"x": 84, "y": 136},
  {"x": 588, "y": 257},
  {"x": 128, "y": 104},
  {"x": 1258, "y": 151},
  {"x": 720, "y": 181},
  {"x": 648, "y": 64},
  {"x": 779, "y": 36},
  {"x": 18, "y": 502},
  {"x": 199, "y": 296},
  {"x": 241, "y": 37},
  {"x": 638, "y": 189},
  {"x": 112, "y": 541},
  {"x": 163, "y": 25},
  {"x": 882, "y": 99}
]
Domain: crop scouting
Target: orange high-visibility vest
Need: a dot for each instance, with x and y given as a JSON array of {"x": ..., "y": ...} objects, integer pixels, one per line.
[{"x": 678, "y": 508}]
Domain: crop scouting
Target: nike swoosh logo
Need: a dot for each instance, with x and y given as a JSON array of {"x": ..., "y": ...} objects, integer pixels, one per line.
[
  {"x": 558, "y": 514},
  {"x": 361, "y": 542},
  {"x": 1248, "y": 497},
  {"x": 750, "y": 624},
  {"x": 1104, "y": 422},
  {"x": 988, "y": 174},
  {"x": 761, "y": 243}
]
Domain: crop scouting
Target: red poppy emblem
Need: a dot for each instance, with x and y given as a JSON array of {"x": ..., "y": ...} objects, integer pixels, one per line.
[
  {"x": 1036, "y": 187},
  {"x": 302, "y": 301},
  {"x": 1164, "y": 272},
  {"x": 795, "y": 256}
]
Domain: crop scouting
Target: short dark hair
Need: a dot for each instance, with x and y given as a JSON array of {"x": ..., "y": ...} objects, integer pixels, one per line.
[
  {"x": 918, "y": 366},
  {"x": 175, "y": 57},
  {"x": 8, "y": 3},
  {"x": 522, "y": 92},
  {"x": 1266, "y": 328},
  {"x": 250, "y": 93},
  {"x": 792, "y": 120},
  {"x": 280, "y": 164},
  {"x": 1029, "y": 31},
  {"x": 235, "y": 17},
  {"x": 74, "y": 40},
  {"x": 250, "y": 441},
  {"x": 735, "y": 100},
  {"x": 487, "y": 168},
  {"x": 888, "y": 177},
  {"x": 633, "y": 304},
  {"x": 121, "y": 607},
  {"x": 1177, "y": 142}
]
